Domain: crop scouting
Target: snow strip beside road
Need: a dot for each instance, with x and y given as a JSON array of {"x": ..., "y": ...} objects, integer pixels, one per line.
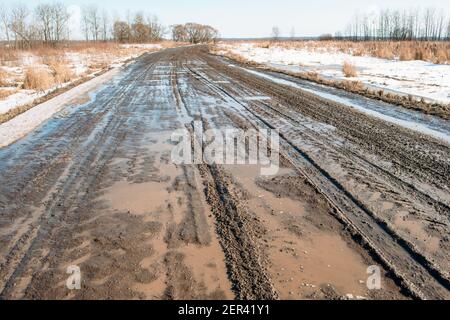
[
  {"x": 26, "y": 122},
  {"x": 417, "y": 78},
  {"x": 410, "y": 124}
]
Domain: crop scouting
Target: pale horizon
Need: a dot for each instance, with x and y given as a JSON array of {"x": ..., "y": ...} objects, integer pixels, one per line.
[{"x": 253, "y": 19}]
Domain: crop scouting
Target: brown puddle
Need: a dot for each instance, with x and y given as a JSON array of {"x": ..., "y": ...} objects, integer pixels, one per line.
[
  {"x": 304, "y": 258},
  {"x": 186, "y": 259},
  {"x": 137, "y": 198}
]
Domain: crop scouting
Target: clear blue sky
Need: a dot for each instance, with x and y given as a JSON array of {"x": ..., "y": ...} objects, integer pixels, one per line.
[{"x": 253, "y": 18}]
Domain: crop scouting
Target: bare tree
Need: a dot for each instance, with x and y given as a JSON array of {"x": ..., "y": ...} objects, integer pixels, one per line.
[
  {"x": 179, "y": 33},
  {"x": 44, "y": 16},
  {"x": 121, "y": 31},
  {"x": 439, "y": 29},
  {"x": 105, "y": 25},
  {"x": 448, "y": 29},
  {"x": 18, "y": 25},
  {"x": 156, "y": 29},
  {"x": 275, "y": 33},
  {"x": 292, "y": 33},
  {"x": 91, "y": 23},
  {"x": 4, "y": 21},
  {"x": 428, "y": 23},
  {"x": 61, "y": 18},
  {"x": 140, "y": 31},
  {"x": 85, "y": 25}
]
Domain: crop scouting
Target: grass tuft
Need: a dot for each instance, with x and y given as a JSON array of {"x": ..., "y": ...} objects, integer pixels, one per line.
[
  {"x": 349, "y": 70},
  {"x": 38, "y": 79}
]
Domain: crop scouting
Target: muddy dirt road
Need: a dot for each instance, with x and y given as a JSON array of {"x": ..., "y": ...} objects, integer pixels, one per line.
[{"x": 94, "y": 187}]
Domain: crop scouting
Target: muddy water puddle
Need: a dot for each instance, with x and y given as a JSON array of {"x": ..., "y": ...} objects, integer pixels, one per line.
[
  {"x": 186, "y": 260},
  {"x": 137, "y": 198},
  {"x": 306, "y": 261}
]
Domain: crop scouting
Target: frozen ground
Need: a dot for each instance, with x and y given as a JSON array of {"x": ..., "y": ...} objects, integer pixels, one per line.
[
  {"x": 83, "y": 63},
  {"x": 417, "y": 78}
]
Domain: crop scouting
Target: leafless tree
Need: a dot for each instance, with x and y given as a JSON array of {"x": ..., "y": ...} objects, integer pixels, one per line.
[
  {"x": 292, "y": 33},
  {"x": 193, "y": 31},
  {"x": 105, "y": 25},
  {"x": 156, "y": 29},
  {"x": 122, "y": 31},
  {"x": 439, "y": 26},
  {"x": 85, "y": 25},
  {"x": 179, "y": 33},
  {"x": 448, "y": 29},
  {"x": 44, "y": 16},
  {"x": 91, "y": 22},
  {"x": 4, "y": 21},
  {"x": 61, "y": 18},
  {"x": 275, "y": 33},
  {"x": 19, "y": 26},
  {"x": 140, "y": 31}
]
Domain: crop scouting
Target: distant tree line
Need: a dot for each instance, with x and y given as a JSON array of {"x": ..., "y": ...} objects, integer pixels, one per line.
[
  {"x": 194, "y": 33},
  {"x": 140, "y": 30},
  {"x": 48, "y": 24},
  {"x": 387, "y": 24}
]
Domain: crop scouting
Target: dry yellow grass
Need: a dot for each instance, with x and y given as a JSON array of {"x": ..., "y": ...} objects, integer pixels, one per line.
[
  {"x": 5, "y": 93},
  {"x": 38, "y": 79},
  {"x": 60, "y": 70},
  {"x": 383, "y": 53},
  {"x": 3, "y": 75},
  {"x": 431, "y": 51},
  {"x": 62, "y": 73},
  {"x": 406, "y": 54},
  {"x": 442, "y": 56},
  {"x": 349, "y": 70},
  {"x": 8, "y": 56},
  {"x": 353, "y": 86}
]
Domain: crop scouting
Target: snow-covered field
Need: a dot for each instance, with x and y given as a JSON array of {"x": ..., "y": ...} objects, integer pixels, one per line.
[
  {"x": 417, "y": 78},
  {"x": 85, "y": 63}
]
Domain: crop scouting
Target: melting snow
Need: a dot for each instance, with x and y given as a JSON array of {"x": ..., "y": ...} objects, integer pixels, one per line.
[
  {"x": 417, "y": 78},
  {"x": 410, "y": 123}
]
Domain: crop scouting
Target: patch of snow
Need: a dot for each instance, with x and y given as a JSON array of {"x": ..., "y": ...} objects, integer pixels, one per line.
[
  {"x": 26, "y": 122},
  {"x": 417, "y": 78},
  {"x": 142, "y": 46},
  {"x": 18, "y": 99}
]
